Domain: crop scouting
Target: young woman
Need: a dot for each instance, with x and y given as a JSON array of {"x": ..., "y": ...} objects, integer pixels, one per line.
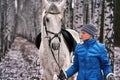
[{"x": 90, "y": 58}]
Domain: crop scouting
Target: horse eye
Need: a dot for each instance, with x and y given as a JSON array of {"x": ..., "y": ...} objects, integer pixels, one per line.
[{"x": 47, "y": 19}]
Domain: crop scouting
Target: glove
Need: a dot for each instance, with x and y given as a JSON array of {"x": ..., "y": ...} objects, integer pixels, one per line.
[
  {"x": 62, "y": 75},
  {"x": 110, "y": 76}
]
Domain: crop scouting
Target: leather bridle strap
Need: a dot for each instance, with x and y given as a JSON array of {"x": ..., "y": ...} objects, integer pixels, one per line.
[
  {"x": 55, "y": 35},
  {"x": 57, "y": 62}
]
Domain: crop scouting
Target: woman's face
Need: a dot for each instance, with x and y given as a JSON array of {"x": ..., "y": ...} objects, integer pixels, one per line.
[{"x": 85, "y": 36}]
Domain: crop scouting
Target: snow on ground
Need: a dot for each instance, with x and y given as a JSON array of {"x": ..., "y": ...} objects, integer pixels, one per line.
[
  {"x": 117, "y": 63},
  {"x": 21, "y": 62}
]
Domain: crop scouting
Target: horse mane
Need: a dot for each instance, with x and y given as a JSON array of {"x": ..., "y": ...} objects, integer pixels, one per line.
[
  {"x": 69, "y": 40},
  {"x": 38, "y": 40}
]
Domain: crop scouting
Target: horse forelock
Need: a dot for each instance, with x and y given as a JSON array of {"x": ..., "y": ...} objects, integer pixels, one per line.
[{"x": 53, "y": 9}]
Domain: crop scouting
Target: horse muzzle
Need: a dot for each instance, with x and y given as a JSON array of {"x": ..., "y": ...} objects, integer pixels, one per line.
[
  {"x": 54, "y": 42},
  {"x": 55, "y": 46}
]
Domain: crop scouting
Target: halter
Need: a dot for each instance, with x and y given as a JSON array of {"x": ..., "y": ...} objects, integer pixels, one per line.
[
  {"x": 50, "y": 39},
  {"x": 47, "y": 31}
]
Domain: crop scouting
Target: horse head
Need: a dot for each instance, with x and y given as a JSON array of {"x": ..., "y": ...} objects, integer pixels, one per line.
[{"x": 52, "y": 22}]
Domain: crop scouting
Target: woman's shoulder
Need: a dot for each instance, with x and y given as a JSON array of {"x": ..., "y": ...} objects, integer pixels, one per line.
[
  {"x": 79, "y": 47},
  {"x": 99, "y": 46}
]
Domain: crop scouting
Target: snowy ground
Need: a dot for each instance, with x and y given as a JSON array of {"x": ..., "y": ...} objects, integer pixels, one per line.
[
  {"x": 21, "y": 62},
  {"x": 117, "y": 63}
]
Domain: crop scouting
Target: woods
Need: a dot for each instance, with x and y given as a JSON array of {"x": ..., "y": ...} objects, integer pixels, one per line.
[{"x": 7, "y": 24}]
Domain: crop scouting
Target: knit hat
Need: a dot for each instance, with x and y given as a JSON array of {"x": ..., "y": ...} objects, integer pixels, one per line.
[{"x": 90, "y": 29}]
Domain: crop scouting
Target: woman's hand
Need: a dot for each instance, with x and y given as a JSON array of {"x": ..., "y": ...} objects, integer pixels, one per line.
[
  {"x": 110, "y": 76},
  {"x": 62, "y": 75}
]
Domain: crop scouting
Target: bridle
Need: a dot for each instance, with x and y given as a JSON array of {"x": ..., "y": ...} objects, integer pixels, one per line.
[
  {"x": 47, "y": 31},
  {"x": 53, "y": 9},
  {"x": 50, "y": 39}
]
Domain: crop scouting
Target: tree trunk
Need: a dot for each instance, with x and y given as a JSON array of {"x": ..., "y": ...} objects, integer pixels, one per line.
[
  {"x": 28, "y": 18},
  {"x": 7, "y": 24},
  {"x": 78, "y": 14},
  {"x": 68, "y": 15},
  {"x": 108, "y": 29},
  {"x": 117, "y": 23}
]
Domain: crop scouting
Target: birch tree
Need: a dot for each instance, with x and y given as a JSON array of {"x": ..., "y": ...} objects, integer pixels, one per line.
[
  {"x": 108, "y": 29},
  {"x": 78, "y": 14},
  {"x": 87, "y": 11},
  {"x": 68, "y": 16},
  {"x": 7, "y": 24},
  {"x": 28, "y": 24},
  {"x": 95, "y": 13}
]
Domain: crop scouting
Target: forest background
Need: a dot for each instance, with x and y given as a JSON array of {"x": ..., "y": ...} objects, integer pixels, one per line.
[{"x": 22, "y": 17}]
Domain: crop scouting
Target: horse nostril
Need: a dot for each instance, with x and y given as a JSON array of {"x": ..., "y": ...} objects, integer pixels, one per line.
[{"x": 55, "y": 46}]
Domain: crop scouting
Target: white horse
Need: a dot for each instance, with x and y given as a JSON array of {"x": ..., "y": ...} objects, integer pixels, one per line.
[{"x": 54, "y": 43}]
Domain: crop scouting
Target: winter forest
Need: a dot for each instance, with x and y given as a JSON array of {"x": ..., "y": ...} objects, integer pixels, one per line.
[{"x": 20, "y": 24}]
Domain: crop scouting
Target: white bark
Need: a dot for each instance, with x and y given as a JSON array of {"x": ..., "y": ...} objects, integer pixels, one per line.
[
  {"x": 78, "y": 14},
  {"x": 97, "y": 10},
  {"x": 28, "y": 18},
  {"x": 108, "y": 29},
  {"x": 7, "y": 20}
]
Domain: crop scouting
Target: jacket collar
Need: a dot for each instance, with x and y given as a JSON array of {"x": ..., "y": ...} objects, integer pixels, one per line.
[{"x": 89, "y": 43}]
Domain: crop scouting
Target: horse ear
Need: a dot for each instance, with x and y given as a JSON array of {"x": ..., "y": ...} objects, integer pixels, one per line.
[
  {"x": 45, "y": 4},
  {"x": 62, "y": 5}
]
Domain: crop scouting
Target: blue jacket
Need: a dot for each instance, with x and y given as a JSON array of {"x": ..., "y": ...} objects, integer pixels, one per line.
[{"x": 90, "y": 61}]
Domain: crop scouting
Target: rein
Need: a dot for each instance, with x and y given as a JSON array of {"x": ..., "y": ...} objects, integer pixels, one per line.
[
  {"x": 50, "y": 39},
  {"x": 57, "y": 62}
]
